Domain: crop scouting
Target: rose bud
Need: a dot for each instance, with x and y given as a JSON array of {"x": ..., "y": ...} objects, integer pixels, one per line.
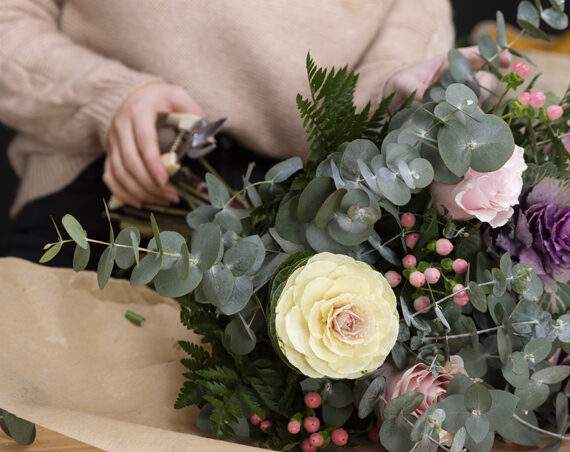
[
  {"x": 554, "y": 112},
  {"x": 537, "y": 99},
  {"x": 521, "y": 69},
  {"x": 409, "y": 261},
  {"x": 432, "y": 275},
  {"x": 524, "y": 98},
  {"x": 408, "y": 220}
]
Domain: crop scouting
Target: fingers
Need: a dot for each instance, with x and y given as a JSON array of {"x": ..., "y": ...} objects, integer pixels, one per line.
[{"x": 146, "y": 140}]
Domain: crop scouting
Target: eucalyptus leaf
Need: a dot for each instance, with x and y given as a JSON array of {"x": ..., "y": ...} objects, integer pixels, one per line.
[
  {"x": 328, "y": 208},
  {"x": 170, "y": 243},
  {"x": 392, "y": 187},
  {"x": 458, "y": 440},
  {"x": 242, "y": 338},
  {"x": 125, "y": 257},
  {"x": 105, "y": 265},
  {"x": 206, "y": 244},
  {"x": 538, "y": 348},
  {"x": 321, "y": 241},
  {"x": 313, "y": 196},
  {"x": 478, "y": 398},
  {"x": 532, "y": 396},
  {"x": 81, "y": 257},
  {"x": 422, "y": 172},
  {"x": 504, "y": 344},
  {"x": 551, "y": 375},
  {"x": 477, "y": 427},
  {"x": 556, "y": 19},
  {"x": 146, "y": 270},
  {"x": 218, "y": 284},
  {"x": 501, "y": 30},
  {"x": 75, "y": 230},
  {"x": 356, "y": 150},
  {"x": 51, "y": 253},
  {"x": 284, "y": 170},
  {"x": 404, "y": 404},
  {"x": 371, "y": 397},
  {"x": 520, "y": 434},
  {"x": 528, "y": 18},
  {"x": 241, "y": 257},
  {"x": 228, "y": 221},
  {"x": 287, "y": 223},
  {"x": 488, "y": 49},
  {"x": 477, "y": 297},
  {"x": 461, "y": 97},
  {"x": 169, "y": 284},
  {"x": 201, "y": 215},
  {"x": 336, "y": 416},
  {"x": 243, "y": 290},
  {"x": 340, "y": 395},
  {"x": 217, "y": 191}
]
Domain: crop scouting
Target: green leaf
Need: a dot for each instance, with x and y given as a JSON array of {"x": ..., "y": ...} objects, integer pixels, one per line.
[
  {"x": 532, "y": 396},
  {"x": 218, "y": 284},
  {"x": 404, "y": 404},
  {"x": 340, "y": 395},
  {"x": 168, "y": 283},
  {"x": 526, "y": 312},
  {"x": 515, "y": 370},
  {"x": 392, "y": 187},
  {"x": 125, "y": 257},
  {"x": 419, "y": 429},
  {"x": 395, "y": 435},
  {"x": 371, "y": 397},
  {"x": 459, "y": 67},
  {"x": 336, "y": 416},
  {"x": 461, "y": 97},
  {"x": 105, "y": 265},
  {"x": 422, "y": 172},
  {"x": 242, "y": 338},
  {"x": 228, "y": 221},
  {"x": 477, "y": 427},
  {"x": 22, "y": 431},
  {"x": 563, "y": 326},
  {"x": 243, "y": 257},
  {"x": 51, "y": 253},
  {"x": 284, "y": 170},
  {"x": 500, "y": 282},
  {"x": 556, "y": 19},
  {"x": 501, "y": 30},
  {"x": 528, "y": 19},
  {"x": 561, "y": 413},
  {"x": 321, "y": 241},
  {"x": 488, "y": 50},
  {"x": 146, "y": 270},
  {"x": 156, "y": 234},
  {"x": 458, "y": 440},
  {"x": 551, "y": 375},
  {"x": 356, "y": 150},
  {"x": 81, "y": 257},
  {"x": 217, "y": 191},
  {"x": 520, "y": 434},
  {"x": 478, "y": 398},
  {"x": 328, "y": 208},
  {"x": 313, "y": 196},
  {"x": 243, "y": 290},
  {"x": 75, "y": 230},
  {"x": 539, "y": 348},
  {"x": 455, "y": 412},
  {"x": 553, "y": 446},
  {"x": 504, "y": 344},
  {"x": 201, "y": 215},
  {"x": 477, "y": 297},
  {"x": 206, "y": 245},
  {"x": 287, "y": 224}
]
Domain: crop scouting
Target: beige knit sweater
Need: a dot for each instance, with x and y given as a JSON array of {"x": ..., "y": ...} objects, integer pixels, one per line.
[{"x": 66, "y": 66}]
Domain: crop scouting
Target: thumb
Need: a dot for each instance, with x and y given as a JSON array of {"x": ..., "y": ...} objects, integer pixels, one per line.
[{"x": 181, "y": 101}]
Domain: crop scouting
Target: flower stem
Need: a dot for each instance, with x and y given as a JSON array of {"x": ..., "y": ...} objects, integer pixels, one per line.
[
  {"x": 488, "y": 330},
  {"x": 239, "y": 193},
  {"x": 538, "y": 429}
]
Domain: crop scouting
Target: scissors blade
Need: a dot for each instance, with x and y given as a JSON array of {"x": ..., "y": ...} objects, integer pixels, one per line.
[{"x": 201, "y": 135}]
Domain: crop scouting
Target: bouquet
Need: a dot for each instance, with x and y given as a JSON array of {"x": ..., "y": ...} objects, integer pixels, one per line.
[{"x": 409, "y": 282}]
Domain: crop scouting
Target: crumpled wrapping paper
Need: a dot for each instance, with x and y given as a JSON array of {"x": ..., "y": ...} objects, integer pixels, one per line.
[{"x": 71, "y": 362}]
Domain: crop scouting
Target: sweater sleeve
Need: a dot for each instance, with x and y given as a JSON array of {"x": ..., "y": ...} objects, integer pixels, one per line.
[
  {"x": 412, "y": 31},
  {"x": 62, "y": 93}
]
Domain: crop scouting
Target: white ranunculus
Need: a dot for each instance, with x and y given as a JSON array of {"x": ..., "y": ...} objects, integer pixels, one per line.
[{"x": 336, "y": 317}]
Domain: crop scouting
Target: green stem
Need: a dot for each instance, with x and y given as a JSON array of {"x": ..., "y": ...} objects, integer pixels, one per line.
[
  {"x": 506, "y": 90},
  {"x": 539, "y": 143},
  {"x": 488, "y": 330},
  {"x": 517, "y": 37},
  {"x": 538, "y": 429},
  {"x": 242, "y": 191},
  {"x": 212, "y": 170},
  {"x": 533, "y": 138}
]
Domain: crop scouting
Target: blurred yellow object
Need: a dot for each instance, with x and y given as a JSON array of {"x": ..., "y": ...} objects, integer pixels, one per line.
[{"x": 558, "y": 44}]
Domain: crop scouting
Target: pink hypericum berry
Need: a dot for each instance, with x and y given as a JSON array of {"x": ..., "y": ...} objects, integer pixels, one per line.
[
  {"x": 306, "y": 446},
  {"x": 254, "y": 419},
  {"x": 460, "y": 300},
  {"x": 393, "y": 278},
  {"x": 408, "y": 220},
  {"x": 421, "y": 304},
  {"x": 443, "y": 247},
  {"x": 294, "y": 427},
  {"x": 458, "y": 289},
  {"x": 554, "y": 112},
  {"x": 339, "y": 437},
  {"x": 312, "y": 400},
  {"x": 316, "y": 439},
  {"x": 412, "y": 239},
  {"x": 311, "y": 424},
  {"x": 417, "y": 279},
  {"x": 521, "y": 69},
  {"x": 524, "y": 98},
  {"x": 409, "y": 261},
  {"x": 432, "y": 275},
  {"x": 537, "y": 99},
  {"x": 374, "y": 434},
  {"x": 459, "y": 266},
  {"x": 264, "y": 426}
]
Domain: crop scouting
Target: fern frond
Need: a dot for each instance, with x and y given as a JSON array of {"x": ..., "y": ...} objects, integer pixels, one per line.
[{"x": 219, "y": 373}]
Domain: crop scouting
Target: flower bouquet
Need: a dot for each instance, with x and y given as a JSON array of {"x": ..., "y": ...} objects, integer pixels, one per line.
[{"x": 408, "y": 282}]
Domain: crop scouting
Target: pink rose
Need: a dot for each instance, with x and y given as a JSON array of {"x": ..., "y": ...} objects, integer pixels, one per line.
[
  {"x": 489, "y": 197},
  {"x": 419, "y": 378}
]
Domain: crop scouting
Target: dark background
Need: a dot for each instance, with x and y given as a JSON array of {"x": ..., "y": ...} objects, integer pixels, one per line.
[{"x": 467, "y": 13}]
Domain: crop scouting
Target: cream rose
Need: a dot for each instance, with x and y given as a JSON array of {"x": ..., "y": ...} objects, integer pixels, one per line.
[
  {"x": 336, "y": 317},
  {"x": 489, "y": 197}
]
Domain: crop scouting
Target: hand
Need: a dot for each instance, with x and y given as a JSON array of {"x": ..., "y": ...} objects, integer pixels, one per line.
[
  {"x": 133, "y": 170},
  {"x": 420, "y": 76}
]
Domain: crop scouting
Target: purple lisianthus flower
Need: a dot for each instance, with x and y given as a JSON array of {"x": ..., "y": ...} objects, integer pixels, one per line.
[{"x": 541, "y": 236}]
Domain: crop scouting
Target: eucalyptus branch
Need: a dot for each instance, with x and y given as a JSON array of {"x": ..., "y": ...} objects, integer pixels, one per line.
[
  {"x": 488, "y": 330},
  {"x": 212, "y": 170},
  {"x": 240, "y": 192},
  {"x": 550, "y": 140},
  {"x": 540, "y": 430}
]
